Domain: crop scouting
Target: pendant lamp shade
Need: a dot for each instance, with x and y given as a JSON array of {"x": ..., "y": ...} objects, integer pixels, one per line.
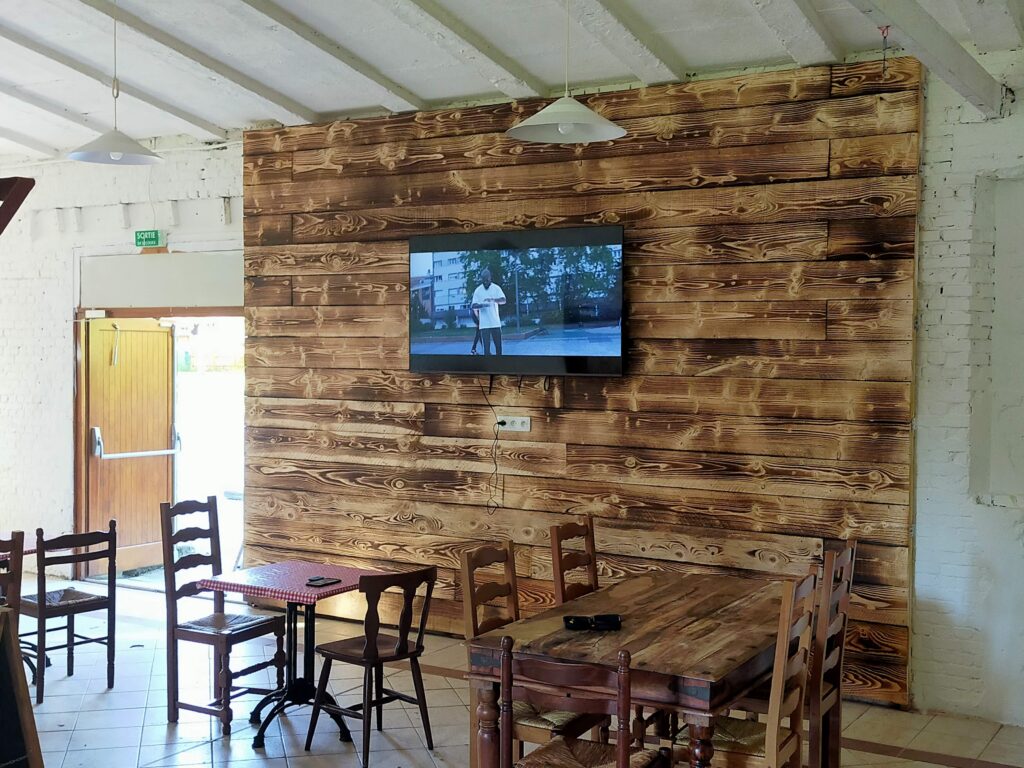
[
  {"x": 566, "y": 121},
  {"x": 115, "y": 148}
]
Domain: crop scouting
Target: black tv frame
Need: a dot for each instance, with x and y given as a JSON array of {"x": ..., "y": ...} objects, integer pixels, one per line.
[{"x": 521, "y": 365}]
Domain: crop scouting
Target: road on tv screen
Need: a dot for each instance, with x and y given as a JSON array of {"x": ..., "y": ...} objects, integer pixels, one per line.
[{"x": 568, "y": 342}]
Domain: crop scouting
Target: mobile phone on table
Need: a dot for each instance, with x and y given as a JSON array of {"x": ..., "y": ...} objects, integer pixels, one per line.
[{"x": 321, "y": 581}]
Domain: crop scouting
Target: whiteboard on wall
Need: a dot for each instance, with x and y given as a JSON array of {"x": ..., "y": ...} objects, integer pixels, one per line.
[{"x": 201, "y": 279}]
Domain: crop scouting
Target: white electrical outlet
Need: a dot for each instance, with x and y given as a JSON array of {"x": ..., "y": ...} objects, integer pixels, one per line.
[{"x": 513, "y": 423}]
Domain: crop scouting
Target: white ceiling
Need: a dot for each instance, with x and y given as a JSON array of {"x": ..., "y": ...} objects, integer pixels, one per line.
[{"x": 211, "y": 55}]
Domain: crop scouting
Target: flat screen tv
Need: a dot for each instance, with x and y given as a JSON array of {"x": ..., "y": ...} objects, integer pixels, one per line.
[{"x": 545, "y": 302}]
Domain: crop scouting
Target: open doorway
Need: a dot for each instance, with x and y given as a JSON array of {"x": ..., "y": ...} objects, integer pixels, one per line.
[{"x": 162, "y": 414}]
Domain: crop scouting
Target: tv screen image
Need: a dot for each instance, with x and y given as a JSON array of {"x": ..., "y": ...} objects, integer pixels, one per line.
[{"x": 531, "y": 302}]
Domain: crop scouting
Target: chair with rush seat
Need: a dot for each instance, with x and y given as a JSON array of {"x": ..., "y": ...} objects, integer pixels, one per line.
[
  {"x": 740, "y": 743},
  {"x": 576, "y": 687},
  {"x": 11, "y": 551},
  {"x": 531, "y": 725},
  {"x": 222, "y": 631},
  {"x": 563, "y": 562},
  {"x": 373, "y": 650},
  {"x": 68, "y": 602}
]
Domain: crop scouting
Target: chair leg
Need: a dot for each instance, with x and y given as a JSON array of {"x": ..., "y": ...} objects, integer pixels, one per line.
[
  {"x": 40, "y": 654},
  {"x": 367, "y": 713},
  {"x": 833, "y": 743},
  {"x": 378, "y": 674},
  {"x": 421, "y": 699},
  {"x": 816, "y": 737},
  {"x": 71, "y": 645},
  {"x": 318, "y": 700},
  {"x": 111, "y": 632},
  {"x": 172, "y": 680},
  {"x": 224, "y": 687}
]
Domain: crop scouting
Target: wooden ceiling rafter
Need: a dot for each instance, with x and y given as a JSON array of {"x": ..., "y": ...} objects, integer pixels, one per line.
[
  {"x": 801, "y": 30},
  {"x": 451, "y": 35},
  {"x": 207, "y": 128},
  {"x": 287, "y": 107},
  {"x": 392, "y": 95}
]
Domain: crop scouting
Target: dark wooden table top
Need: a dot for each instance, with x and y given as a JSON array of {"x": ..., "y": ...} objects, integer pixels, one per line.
[
  {"x": 286, "y": 580},
  {"x": 697, "y": 641}
]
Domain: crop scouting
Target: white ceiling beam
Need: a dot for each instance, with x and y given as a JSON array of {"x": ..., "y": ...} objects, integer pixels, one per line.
[
  {"x": 922, "y": 36},
  {"x": 207, "y": 128},
  {"x": 451, "y": 35},
  {"x": 28, "y": 142},
  {"x": 622, "y": 42},
  {"x": 292, "y": 110},
  {"x": 50, "y": 107},
  {"x": 392, "y": 95},
  {"x": 995, "y": 25},
  {"x": 801, "y": 30}
]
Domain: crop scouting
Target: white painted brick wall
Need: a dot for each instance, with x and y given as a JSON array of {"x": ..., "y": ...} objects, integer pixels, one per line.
[
  {"x": 38, "y": 298},
  {"x": 968, "y": 621}
]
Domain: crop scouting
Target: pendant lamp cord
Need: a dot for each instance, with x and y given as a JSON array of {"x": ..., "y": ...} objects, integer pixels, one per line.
[
  {"x": 115, "y": 85},
  {"x": 567, "y": 17}
]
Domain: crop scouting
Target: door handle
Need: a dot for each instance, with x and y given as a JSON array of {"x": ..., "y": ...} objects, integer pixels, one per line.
[{"x": 96, "y": 441}]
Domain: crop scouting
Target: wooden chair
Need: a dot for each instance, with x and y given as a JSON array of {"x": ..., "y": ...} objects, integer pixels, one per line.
[
  {"x": 531, "y": 725},
  {"x": 222, "y": 631},
  {"x": 825, "y": 689},
  {"x": 776, "y": 742},
  {"x": 373, "y": 650},
  {"x": 824, "y": 684},
  {"x": 11, "y": 570},
  {"x": 68, "y": 602},
  {"x": 564, "y": 562},
  {"x": 575, "y": 687}
]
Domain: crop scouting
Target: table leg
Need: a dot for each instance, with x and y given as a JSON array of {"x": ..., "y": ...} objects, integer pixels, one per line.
[
  {"x": 488, "y": 745},
  {"x": 701, "y": 747}
]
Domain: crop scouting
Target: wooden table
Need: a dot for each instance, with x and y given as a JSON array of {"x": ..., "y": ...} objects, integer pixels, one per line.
[
  {"x": 286, "y": 581},
  {"x": 698, "y": 642}
]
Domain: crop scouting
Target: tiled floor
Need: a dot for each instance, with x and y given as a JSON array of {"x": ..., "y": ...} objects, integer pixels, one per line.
[{"x": 82, "y": 725}]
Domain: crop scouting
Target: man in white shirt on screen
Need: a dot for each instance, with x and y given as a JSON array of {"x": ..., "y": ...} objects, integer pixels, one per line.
[{"x": 487, "y": 298}]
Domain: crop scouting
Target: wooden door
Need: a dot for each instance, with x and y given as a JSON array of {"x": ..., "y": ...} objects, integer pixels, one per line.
[{"x": 129, "y": 410}]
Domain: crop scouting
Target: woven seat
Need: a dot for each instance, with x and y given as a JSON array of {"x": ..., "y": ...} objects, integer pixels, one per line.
[
  {"x": 225, "y": 623},
  {"x": 65, "y": 597},
  {"x": 573, "y": 753},
  {"x": 524, "y": 713},
  {"x": 744, "y": 737}
]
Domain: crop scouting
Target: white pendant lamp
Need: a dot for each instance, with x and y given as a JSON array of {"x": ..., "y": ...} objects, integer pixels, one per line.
[
  {"x": 115, "y": 147},
  {"x": 566, "y": 121}
]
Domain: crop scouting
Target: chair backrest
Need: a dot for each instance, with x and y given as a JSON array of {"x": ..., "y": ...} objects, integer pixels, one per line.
[
  {"x": 832, "y": 618},
  {"x": 173, "y": 564},
  {"x": 789, "y": 671},
  {"x": 80, "y": 548},
  {"x": 565, "y": 687},
  {"x": 562, "y": 562},
  {"x": 11, "y": 571},
  {"x": 475, "y": 597},
  {"x": 375, "y": 585}
]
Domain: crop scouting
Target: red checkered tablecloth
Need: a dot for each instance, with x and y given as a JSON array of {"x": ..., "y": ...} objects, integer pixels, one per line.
[{"x": 287, "y": 581}]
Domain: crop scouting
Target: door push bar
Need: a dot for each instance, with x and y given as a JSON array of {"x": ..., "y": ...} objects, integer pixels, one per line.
[{"x": 96, "y": 441}]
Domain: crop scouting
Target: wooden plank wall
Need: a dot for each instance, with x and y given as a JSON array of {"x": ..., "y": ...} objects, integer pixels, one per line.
[{"x": 770, "y": 221}]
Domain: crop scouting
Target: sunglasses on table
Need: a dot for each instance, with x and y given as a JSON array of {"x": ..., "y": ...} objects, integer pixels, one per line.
[{"x": 602, "y": 622}]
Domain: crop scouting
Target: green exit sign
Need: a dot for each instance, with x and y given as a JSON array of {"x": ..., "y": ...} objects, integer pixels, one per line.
[{"x": 149, "y": 238}]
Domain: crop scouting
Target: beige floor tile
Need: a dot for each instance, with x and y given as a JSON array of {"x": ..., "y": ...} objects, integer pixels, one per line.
[
  {"x": 327, "y": 761},
  {"x": 948, "y": 744},
  {"x": 1008, "y": 754},
  {"x": 239, "y": 747},
  {"x": 965, "y": 727},
  {"x": 852, "y": 710},
  {"x": 122, "y": 757},
  {"x": 447, "y": 735},
  {"x": 402, "y": 758},
  {"x": 451, "y": 757},
  {"x": 54, "y": 741},
  {"x": 59, "y": 703},
  {"x": 58, "y": 721},
  {"x": 160, "y": 755},
  {"x": 852, "y": 758},
  {"x": 1009, "y": 734},
  {"x": 176, "y": 733},
  {"x": 125, "y": 736},
  {"x": 110, "y": 718},
  {"x": 887, "y": 726}
]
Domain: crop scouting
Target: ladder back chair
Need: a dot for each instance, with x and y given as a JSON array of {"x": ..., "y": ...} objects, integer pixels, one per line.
[
  {"x": 563, "y": 562},
  {"x": 68, "y": 602},
  {"x": 740, "y": 743},
  {"x": 220, "y": 630},
  {"x": 530, "y": 724},
  {"x": 373, "y": 650},
  {"x": 11, "y": 570},
  {"x": 575, "y": 687},
  {"x": 825, "y": 687}
]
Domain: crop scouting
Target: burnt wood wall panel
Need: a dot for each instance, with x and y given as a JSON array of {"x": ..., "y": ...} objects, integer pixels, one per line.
[{"x": 770, "y": 225}]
